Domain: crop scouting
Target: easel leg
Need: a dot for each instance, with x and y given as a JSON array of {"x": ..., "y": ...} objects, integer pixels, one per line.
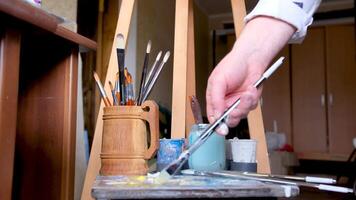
[
  {"x": 123, "y": 25},
  {"x": 255, "y": 121},
  {"x": 183, "y": 69}
]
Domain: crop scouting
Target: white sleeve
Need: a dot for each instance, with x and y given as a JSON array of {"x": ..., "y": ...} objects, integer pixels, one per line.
[{"x": 298, "y": 13}]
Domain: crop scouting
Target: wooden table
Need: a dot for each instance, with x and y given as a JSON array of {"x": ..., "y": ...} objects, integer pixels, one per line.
[
  {"x": 38, "y": 104},
  {"x": 141, "y": 187}
]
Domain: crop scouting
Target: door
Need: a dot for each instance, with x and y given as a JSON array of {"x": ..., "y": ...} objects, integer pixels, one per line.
[
  {"x": 308, "y": 93},
  {"x": 341, "y": 87}
]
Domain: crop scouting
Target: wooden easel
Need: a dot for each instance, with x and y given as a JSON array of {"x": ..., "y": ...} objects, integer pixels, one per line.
[{"x": 183, "y": 78}]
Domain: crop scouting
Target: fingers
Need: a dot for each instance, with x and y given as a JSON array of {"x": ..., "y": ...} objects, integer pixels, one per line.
[
  {"x": 248, "y": 102},
  {"x": 215, "y": 97},
  {"x": 222, "y": 129}
]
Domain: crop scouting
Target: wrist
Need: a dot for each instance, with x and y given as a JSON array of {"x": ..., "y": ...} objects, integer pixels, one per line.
[{"x": 261, "y": 40}]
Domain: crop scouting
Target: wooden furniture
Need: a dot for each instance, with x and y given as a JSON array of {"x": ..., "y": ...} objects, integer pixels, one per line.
[
  {"x": 9, "y": 75},
  {"x": 323, "y": 79},
  {"x": 38, "y": 88},
  {"x": 187, "y": 187}
]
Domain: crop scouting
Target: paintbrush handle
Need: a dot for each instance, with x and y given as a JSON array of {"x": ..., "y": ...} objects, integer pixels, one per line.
[
  {"x": 115, "y": 100},
  {"x": 196, "y": 110},
  {"x": 121, "y": 61},
  {"x": 153, "y": 81},
  {"x": 106, "y": 101},
  {"x": 229, "y": 174},
  {"x": 117, "y": 94},
  {"x": 149, "y": 77},
  {"x": 333, "y": 188},
  {"x": 308, "y": 179},
  {"x": 143, "y": 78}
]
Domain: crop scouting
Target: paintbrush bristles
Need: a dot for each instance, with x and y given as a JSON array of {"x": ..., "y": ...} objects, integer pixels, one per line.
[
  {"x": 115, "y": 100},
  {"x": 159, "y": 56},
  {"x": 120, "y": 41},
  {"x": 101, "y": 89},
  {"x": 96, "y": 77},
  {"x": 148, "y": 48},
  {"x": 166, "y": 56},
  {"x": 111, "y": 86}
]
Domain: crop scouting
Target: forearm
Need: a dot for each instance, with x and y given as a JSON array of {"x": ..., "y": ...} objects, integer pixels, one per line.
[
  {"x": 260, "y": 41},
  {"x": 298, "y": 13}
]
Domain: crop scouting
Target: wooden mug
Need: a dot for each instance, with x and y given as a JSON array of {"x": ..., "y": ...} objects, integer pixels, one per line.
[{"x": 125, "y": 148}]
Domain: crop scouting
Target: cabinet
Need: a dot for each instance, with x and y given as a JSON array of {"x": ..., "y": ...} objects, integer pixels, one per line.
[
  {"x": 38, "y": 89},
  {"x": 323, "y": 93}
]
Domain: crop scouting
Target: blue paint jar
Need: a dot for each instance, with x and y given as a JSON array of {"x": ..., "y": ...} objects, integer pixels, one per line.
[
  {"x": 210, "y": 156},
  {"x": 169, "y": 150}
]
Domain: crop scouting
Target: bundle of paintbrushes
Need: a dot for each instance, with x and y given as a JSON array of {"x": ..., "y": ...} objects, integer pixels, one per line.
[{"x": 123, "y": 90}]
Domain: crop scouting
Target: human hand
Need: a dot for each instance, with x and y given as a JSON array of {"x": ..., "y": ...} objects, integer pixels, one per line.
[
  {"x": 235, "y": 75},
  {"x": 228, "y": 82}
]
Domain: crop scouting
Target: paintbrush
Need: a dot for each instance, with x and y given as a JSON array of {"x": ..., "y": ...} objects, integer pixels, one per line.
[
  {"x": 101, "y": 89},
  {"x": 155, "y": 77},
  {"x": 126, "y": 72},
  {"x": 153, "y": 68},
  {"x": 129, "y": 89},
  {"x": 117, "y": 88},
  {"x": 120, "y": 50},
  {"x": 308, "y": 179},
  {"x": 144, "y": 73},
  {"x": 237, "y": 175},
  {"x": 196, "y": 110},
  {"x": 176, "y": 165},
  {"x": 115, "y": 100}
]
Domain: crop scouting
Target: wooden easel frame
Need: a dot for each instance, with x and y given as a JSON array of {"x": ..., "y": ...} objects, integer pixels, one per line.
[
  {"x": 183, "y": 84},
  {"x": 123, "y": 24}
]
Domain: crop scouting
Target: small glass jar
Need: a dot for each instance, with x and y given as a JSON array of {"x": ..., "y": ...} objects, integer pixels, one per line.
[
  {"x": 210, "y": 156},
  {"x": 168, "y": 151}
]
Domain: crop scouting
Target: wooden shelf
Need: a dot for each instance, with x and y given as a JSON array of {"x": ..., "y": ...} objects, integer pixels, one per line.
[{"x": 25, "y": 12}]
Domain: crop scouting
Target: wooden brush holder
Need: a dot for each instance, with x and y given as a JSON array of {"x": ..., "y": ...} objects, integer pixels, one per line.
[{"x": 125, "y": 148}]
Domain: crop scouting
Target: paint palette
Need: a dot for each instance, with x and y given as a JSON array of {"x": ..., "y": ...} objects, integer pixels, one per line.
[{"x": 127, "y": 187}]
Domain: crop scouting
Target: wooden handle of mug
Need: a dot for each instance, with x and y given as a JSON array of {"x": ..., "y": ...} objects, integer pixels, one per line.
[{"x": 152, "y": 117}]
